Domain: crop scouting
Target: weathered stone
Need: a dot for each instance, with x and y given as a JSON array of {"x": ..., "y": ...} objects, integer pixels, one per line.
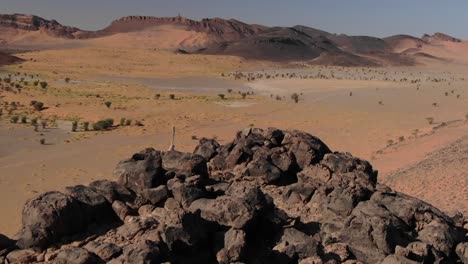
[
  {"x": 462, "y": 251},
  {"x": 156, "y": 195},
  {"x": 143, "y": 252},
  {"x": 207, "y": 148},
  {"x": 48, "y": 218},
  {"x": 121, "y": 210},
  {"x": 143, "y": 171},
  {"x": 24, "y": 256},
  {"x": 112, "y": 191},
  {"x": 184, "y": 163},
  {"x": 234, "y": 247},
  {"x": 295, "y": 243},
  {"x": 76, "y": 256},
  {"x": 96, "y": 208},
  {"x": 106, "y": 251}
]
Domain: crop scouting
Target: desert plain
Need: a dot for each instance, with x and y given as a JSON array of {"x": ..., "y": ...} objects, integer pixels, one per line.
[{"x": 410, "y": 122}]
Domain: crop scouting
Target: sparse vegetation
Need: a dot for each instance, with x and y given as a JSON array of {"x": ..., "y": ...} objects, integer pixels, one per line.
[
  {"x": 221, "y": 96},
  {"x": 108, "y": 104},
  {"x": 295, "y": 97},
  {"x": 103, "y": 124},
  {"x": 430, "y": 120},
  {"x": 172, "y": 96},
  {"x": 43, "y": 85},
  {"x": 38, "y": 106},
  {"x": 74, "y": 126},
  {"x": 86, "y": 126},
  {"x": 14, "y": 119},
  {"x": 122, "y": 121}
]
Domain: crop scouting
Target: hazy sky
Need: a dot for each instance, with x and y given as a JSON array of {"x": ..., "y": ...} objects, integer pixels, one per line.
[{"x": 355, "y": 17}]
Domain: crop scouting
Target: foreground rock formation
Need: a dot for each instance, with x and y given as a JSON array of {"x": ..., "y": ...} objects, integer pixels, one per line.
[{"x": 269, "y": 196}]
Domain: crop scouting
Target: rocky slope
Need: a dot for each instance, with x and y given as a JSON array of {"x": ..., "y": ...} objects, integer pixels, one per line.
[
  {"x": 35, "y": 23},
  {"x": 439, "y": 37},
  {"x": 269, "y": 196}
]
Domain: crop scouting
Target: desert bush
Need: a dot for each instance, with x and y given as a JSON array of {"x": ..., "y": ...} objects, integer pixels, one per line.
[
  {"x": 24, "y": 119},
  {"x": 380, "y": 103},
  {"x": 172, "y": 96},
  {"x": 34, "y": 121},
  {"x": 42, "y": 141},
  {"x": 390, "y": 142},
  {"x": 221, "y": 96},
  {"x": 36, "y": 83},
  {"x": 194, "y": 137},
  {"x": 67, "y": 80},
  {"x": 128, "y": 122},
  {"x": 401, "y": 139},
  {"x": 74, "y": 126},
  {"x": 350, "y": 93},
  {"x": 138, "y": 123},
  {"x": 434, "y": 104},
  {"x": 122, "y": 121},
  {"x": 430, "y": 120},
  {"x": 43, "y": 85},
  {"x": 44, "y": 123},
  {"x": 103, "y": 124},
  {"x": 157, "y": 96},
  {"x": 295, "y": 97},
  {"x": 38, "y": 106},
  {"x": 14, "y": 119},
  {"x": 229, "y": 90},
  {"x": 108, "y": 104},
  {"x": 86, "y": 126}
]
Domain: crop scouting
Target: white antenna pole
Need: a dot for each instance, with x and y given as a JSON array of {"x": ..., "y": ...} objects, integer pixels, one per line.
[{"x": 172, "y": 146}]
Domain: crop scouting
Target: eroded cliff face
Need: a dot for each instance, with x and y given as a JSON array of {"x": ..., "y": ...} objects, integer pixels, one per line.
[
  {"x": 269, "y": 196},
  {"x": 439, "y": 37}
]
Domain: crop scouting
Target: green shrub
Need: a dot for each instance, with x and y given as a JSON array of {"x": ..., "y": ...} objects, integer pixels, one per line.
[
  {"x": 122, "y": 121},
  {"x": 14, "y": 119},
  {"x": 108, "y": 104},
  {"x": 103, "y": 124},
  {"x": 43, "y": 85},
  {"x": 128, "y": 122},
  {"x": 86, "y": 126},
  {"x": 24, "y": 119}
]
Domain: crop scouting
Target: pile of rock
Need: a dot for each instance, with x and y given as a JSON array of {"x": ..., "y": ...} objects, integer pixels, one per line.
[{"x": 269, "y": 196}]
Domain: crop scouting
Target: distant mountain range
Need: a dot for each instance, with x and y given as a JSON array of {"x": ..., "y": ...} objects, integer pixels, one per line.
[{"x": 232, "y": 37}]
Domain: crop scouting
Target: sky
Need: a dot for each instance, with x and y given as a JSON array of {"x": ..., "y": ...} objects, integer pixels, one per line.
[{"x": 378, "y": 18}]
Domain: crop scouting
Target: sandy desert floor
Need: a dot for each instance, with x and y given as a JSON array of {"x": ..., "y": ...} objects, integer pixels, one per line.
[{"x": 377, "y": 114}]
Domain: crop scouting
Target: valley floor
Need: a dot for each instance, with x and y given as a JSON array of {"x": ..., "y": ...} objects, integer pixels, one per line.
[{"x": 372, "y": 113}]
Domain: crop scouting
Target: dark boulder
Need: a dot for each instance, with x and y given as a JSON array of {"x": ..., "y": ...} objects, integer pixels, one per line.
[
  {"x": 112, "y": 191},
  {"x": 96, "y": 209},
  {"x": 48, "y": 218},
  {"x": 184, "y": 163},
  {"x": 106, "y": 251},
  {"x": 143, "y": 171},
  {"x": 207, "y": 148}
]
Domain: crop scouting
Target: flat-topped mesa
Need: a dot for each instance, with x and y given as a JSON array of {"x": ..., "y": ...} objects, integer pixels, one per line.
[
  {"x": 227, "y": 29},
  {"x": 440, "y": 37},
  {"x": 268, "y": 196}
]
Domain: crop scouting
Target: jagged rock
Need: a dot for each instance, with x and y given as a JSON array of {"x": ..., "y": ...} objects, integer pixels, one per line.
[
  {"x": 295, "y": 243},
  {"x": 234, "y": 247},
  {"x": 24, "y": 256},
  {"x": 112, "y": 191},
  {"x": 462, "y": 251},
  {"x": 186, "y": 191},
  {"x": 121, "y": 210},
  {"x": 48, "y": 218},
  {"x": 95, "y": 207},
  {"x": 270, "y": 196},
  {"x": 156, "y": 195},
  {"x": 76, "y": 256},
  {"x": 184, "y": 163},
  {"x": 106, "y": 251},
  {"x": 228, "y": 210},
  {"x": 207, "y": 148},
  {"x": 143, "y": 171},
  {"x": 133, "y": 228}
]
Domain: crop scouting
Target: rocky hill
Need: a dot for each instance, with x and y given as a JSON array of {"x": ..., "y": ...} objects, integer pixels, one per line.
[
  {"x": 35, "y": 23},
  {"x": 250, "y": 41},
  {"x": 269, "y": 196}
]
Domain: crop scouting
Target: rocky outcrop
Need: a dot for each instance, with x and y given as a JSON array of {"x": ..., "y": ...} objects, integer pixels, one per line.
[
  {"x": 440, "y": 37},
  {"x": 269, "y": 196}
]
